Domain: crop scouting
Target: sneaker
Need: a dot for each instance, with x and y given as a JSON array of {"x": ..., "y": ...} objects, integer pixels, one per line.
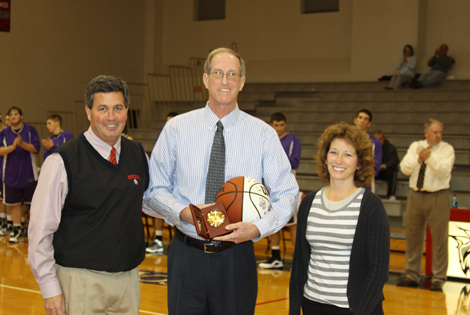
[
  {"x": 156, "y": 247},
  {"x": 272, "y": 263},
  {"x": 407, "y": 282},
  {"x": 436, "y": 286},
  {"x": 393, "y": 198},
  {"x": 17, "y": 235},
  {"x": 6, "y": 230}
]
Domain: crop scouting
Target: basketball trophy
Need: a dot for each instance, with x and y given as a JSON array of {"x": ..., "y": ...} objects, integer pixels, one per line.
[{"x": 210, "y": 221}]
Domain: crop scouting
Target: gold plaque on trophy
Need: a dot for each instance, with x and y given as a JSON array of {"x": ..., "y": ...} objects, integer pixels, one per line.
[{"x": 210, "y": 221}]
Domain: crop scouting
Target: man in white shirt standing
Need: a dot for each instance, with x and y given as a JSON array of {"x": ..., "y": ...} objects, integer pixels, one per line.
[{"x": 429, "y": 164}]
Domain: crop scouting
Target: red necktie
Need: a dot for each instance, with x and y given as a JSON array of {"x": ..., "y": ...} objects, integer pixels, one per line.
[{"x": 112, "y": 157}]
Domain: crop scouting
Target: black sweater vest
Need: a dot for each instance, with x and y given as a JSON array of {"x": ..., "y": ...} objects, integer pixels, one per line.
[{"x": 101, "y": 225}]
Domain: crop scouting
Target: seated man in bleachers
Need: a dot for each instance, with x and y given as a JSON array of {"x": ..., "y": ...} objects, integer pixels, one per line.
[
  {"x": 389, "y": 166},
  {"x": 440, "y": 63}
]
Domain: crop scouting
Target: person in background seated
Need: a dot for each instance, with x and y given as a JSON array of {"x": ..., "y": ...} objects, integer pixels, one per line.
[
  {"x": 440, "y": 63},
  {"x": 342, "y": 252},
  {"x": 389, "y": 166},
  {"x": 58, "y": 135},
  {"x": 406, "y": 65},
  {"x": 292, "y": 147}
]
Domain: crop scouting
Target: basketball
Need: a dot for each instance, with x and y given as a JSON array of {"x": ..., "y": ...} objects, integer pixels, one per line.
[{"x": 245, "y": 199}]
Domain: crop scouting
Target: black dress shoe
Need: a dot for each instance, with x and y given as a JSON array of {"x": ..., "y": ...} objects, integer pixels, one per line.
[
  {"x": 436, "y": 286},
  {"x": 406, "y": 282}
]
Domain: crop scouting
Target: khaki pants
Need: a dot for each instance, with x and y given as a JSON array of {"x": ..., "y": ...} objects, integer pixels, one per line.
[
  {"x": 433, "y": 209},
  {"x": 98, "y": 292}
]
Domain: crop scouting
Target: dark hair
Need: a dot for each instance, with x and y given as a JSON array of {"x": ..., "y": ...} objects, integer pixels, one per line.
[
  {"x": 106, "y": 84},
  {"x": 172, "y": 114},
  {"x": 278, "y": 117},
  {"x": 208, "y": 63},
  {"x": 55, "y": 117},
  {"x": 15, "y": 108},
  {"x": 365, "y": 111},
  {"x": 411, "y": 48},
  {"x": 361, "y": 143}
]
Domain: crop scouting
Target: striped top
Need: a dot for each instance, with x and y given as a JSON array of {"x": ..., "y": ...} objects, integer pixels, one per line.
[
  {"x": 330, "y": 232},
  {"x": 180, "y": 161}
]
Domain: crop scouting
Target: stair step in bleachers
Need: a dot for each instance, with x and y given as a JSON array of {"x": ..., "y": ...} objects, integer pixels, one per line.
[{"x": 312, "y": 107}]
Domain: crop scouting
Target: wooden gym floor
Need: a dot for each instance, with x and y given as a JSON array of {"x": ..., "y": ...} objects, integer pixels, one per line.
[{"x": 19, "y": 293}]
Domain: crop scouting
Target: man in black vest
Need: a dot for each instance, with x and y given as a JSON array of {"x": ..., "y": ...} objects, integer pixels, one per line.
[{"x": 86, "y": 236}]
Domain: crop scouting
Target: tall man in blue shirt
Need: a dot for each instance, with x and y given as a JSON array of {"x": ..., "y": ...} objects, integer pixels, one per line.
[{"x": 207, "y": 277}]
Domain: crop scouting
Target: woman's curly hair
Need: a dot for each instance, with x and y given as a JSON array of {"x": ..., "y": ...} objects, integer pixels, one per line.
[{"x": 356, "y": 138}]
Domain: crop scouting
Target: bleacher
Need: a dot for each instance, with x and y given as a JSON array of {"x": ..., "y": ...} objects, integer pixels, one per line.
[{"x": 311, "y": 107}]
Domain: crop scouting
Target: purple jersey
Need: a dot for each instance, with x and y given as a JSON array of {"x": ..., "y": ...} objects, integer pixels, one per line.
[
  {"x": 58, "y": 140},
  {"x": 291, "y": 145},
  {"x": 377, "y": 146},
  {"x": 19, "y": 167}
]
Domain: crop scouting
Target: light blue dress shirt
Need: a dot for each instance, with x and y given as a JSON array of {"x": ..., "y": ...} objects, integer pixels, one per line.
[{"x": 180, "y": 161}]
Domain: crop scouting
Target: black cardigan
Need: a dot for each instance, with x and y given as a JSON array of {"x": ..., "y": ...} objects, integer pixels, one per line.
[{"x": 369, "y": 261}]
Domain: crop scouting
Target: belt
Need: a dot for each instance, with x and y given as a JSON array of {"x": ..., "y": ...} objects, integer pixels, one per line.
[
  {"x": 429, "y": 192},
  {"x": 207, "y": 247}
]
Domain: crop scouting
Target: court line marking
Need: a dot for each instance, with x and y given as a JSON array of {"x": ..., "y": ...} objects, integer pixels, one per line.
[
  {"x": 39, "y": 292},
  {"x": 278, "y": 300},
  {"x": 145, "y": 312},
  {"x": 20, "y": 289}
]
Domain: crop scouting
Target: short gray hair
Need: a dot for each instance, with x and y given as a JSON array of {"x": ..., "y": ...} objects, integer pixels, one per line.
[
  {"x": 106, "y": 84},
  {"x": 428, "y": 123},
  {"x": 208, "y": 63}
]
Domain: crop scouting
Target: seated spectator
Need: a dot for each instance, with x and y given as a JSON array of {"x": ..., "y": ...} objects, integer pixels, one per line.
[
  {"x": 406, "y": 65},
  {"x": 389, "y": 166},
  {"x": 439, "y": 64}
]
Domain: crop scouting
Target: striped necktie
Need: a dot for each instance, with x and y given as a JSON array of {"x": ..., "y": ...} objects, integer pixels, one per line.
[
  {"x": 216, "y": 172},
  {"x": 422, "y": 170},
  {"x": 112, "y": 157}
]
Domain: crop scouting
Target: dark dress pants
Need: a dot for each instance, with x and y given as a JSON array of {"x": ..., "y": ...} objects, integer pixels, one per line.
[{"x": 224, "y": 283}]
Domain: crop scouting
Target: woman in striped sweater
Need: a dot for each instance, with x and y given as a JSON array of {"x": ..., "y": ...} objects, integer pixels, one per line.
[{"x": 341, "y": 258}]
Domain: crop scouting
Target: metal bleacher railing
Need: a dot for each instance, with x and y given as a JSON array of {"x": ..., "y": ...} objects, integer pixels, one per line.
[{"x": 162, "y": 93}]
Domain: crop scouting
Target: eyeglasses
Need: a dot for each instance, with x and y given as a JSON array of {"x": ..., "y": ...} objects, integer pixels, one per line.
[{"x": 219, "y": 75}]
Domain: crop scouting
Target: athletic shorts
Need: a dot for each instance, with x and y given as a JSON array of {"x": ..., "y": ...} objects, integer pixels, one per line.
[{"x": 16, "y": 196}]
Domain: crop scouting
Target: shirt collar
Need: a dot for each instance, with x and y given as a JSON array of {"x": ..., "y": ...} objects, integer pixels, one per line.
[
  {"x": 227, "y": 121},
  {"x": 100, "y": 146}
]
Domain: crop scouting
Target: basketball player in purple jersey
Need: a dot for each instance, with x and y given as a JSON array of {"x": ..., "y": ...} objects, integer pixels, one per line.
[
  {"x": 292, "y": 147},
  {"x": 18, "y": 145},
  {"x": 3, "y": 214},
  {"x": 58, "y": 135}
]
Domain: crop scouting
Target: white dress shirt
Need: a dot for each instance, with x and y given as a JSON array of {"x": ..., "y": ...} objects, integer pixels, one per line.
[{"x": 438, "y": 166}]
